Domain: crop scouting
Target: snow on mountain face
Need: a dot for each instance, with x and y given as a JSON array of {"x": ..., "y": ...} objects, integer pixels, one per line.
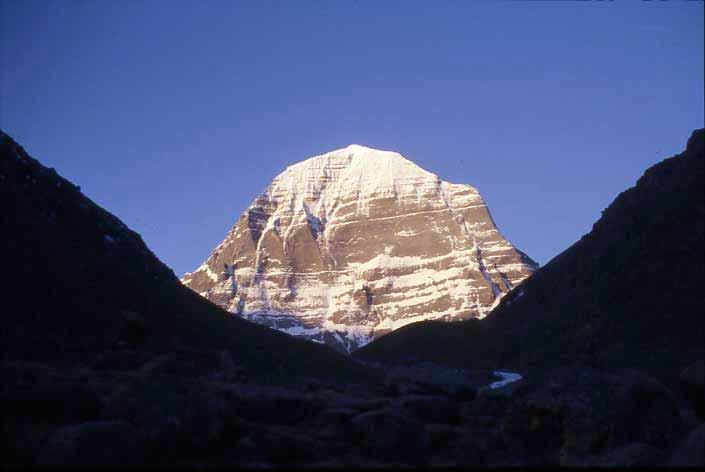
[{"x": 346, "y": 246}]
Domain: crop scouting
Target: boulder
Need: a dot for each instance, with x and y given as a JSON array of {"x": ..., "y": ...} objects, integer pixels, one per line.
[
  {"x": 486, "y": 408},
  {"x": 428, "y": 408},
  {"x": 645, "y": 412},
  {"x": 333, "y": 423},
  {"x": 386, "y": 435},
  {"x": 177, "y": 419},
  {"x": 431, "y": 379},
  {"x": 631, "y": 455},
  {"x": 440, "y": 434},
  {"x": 276, "y": 445},
  {"x": 692, "y": 382},
  {"x": 229, "y": 370},
  {"x": 597, "y": 412},
  {"x": 534, "y": 433},
  {"x": 44, "y": 395},
  {"x": 270, "y": 405},
  {"x": 112, "y": 443},
  {"x": 458, "y": 447},
  {"x": 691, "y": 451}
]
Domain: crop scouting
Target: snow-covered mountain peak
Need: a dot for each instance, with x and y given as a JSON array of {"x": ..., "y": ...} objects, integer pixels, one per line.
[
  {"x": 347, "y": 245},
  {"x": 356, "y": 156},
  {"x": 359, "y": 148},
  {"x": 361, "y": 170}
]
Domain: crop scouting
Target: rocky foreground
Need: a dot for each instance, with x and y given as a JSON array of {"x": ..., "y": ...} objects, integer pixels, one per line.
[{"x": 421, "y": 414}]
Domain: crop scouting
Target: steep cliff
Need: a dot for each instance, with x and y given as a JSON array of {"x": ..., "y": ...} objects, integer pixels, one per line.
[{"x": 349, "y": 245}]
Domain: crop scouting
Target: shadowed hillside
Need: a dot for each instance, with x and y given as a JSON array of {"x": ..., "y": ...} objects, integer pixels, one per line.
[
  {"x": 627, "y": 294},
  {"x": 82, "y": 289}
]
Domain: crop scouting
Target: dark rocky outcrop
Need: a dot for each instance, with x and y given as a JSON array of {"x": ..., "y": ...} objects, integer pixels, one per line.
[
  {"x": 92, "y": 444},
  {"x": 690, "y": 453},
  {"x": 391, "y": 436},
  {"x": 594, "y": 412},
  {"x": 567, "y": 416},
  {"x": 692, "y": 383}
]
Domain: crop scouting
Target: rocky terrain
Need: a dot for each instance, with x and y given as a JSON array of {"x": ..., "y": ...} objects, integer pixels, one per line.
[
  {"x": 108, "y": 360},
  {"x": 349, "y": 245},
  {"x": 421, "y": 415}
]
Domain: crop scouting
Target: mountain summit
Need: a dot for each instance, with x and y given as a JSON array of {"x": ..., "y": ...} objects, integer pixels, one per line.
[{"x": 354, "y": 243}]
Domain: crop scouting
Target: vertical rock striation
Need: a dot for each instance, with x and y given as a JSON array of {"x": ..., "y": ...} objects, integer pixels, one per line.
[{"x": 346, "y": 246}]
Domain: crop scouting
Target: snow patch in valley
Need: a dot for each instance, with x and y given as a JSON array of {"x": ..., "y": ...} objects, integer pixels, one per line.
[{"x": 506, "y": 378}]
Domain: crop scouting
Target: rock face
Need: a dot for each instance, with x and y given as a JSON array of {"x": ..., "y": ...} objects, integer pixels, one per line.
[{"x": 346, "y": 246}]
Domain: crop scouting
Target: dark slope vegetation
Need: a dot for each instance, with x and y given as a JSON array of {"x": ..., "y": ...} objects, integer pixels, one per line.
[
  {"x": 81, "y": 289},
  {"x": 627, "y": 294}
]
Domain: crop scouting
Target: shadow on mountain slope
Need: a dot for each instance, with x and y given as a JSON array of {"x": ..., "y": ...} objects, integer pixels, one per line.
[
  {"x": 627, "y": 294},
  {"x": 80, "y": 288}
]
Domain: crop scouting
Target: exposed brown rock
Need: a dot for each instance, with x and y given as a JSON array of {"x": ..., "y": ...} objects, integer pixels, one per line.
[{"x": 349, "y": 245}]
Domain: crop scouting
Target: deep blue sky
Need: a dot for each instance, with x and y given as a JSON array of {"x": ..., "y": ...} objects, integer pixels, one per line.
[{"x": 174, "y": 115}]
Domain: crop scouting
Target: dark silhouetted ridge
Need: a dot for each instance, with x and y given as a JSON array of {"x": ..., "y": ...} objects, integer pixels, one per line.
[
  {"x": 627, "y": 294},
  {"x": 80, "y": 288}
]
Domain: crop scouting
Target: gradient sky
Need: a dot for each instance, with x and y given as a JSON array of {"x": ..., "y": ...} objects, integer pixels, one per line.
[{"x": 175, "y": 115}]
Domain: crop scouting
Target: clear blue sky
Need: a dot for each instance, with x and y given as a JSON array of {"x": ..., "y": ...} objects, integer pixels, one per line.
[{"x": 174, "y": 115}]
